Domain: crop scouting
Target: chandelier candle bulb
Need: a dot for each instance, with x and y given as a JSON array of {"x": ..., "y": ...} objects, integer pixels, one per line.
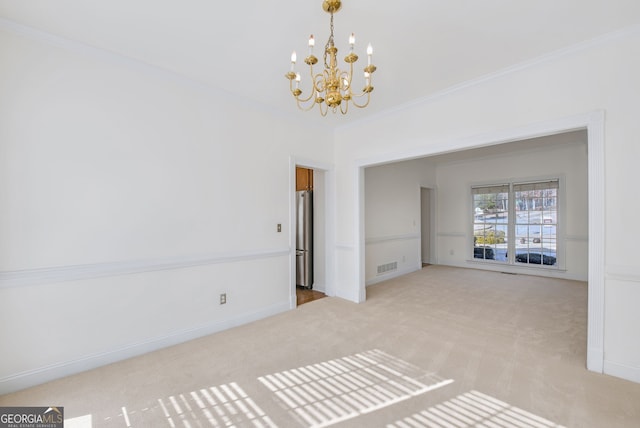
[
  {"x": 369, "y": 53},
  {"x": 352, "y": 40},
  {"x": 312, "y": 43}
]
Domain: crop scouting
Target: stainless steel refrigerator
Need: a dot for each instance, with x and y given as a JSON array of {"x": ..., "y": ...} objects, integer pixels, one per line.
[{"x": 304, "y": 238}]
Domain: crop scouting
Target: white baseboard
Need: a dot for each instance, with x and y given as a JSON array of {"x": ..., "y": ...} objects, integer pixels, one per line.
[
  {"x": 18, "y": 381},
  {"x": 392, "y": 275},
  {"x": 521, "y": 270},
  {"x": 622, "y": 371},
  {"x": 348, "y": 294},
  {"x": 595, "y": 359}
]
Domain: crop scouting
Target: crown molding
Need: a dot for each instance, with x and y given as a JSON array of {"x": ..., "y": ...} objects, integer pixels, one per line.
[{"x": 534, "y": 62}]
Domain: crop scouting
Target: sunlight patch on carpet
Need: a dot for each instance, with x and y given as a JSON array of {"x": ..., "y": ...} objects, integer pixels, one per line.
[
  {"x": 218, "y": 406},
  {"x": 327, "y": 393},
  {"x": 474, "y": 409},
  {"x": 84, "y": 421}
]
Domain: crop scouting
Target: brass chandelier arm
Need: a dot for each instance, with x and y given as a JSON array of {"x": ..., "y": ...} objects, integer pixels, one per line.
[
  {"x": 320, "y": 81},
  {"x": 324, "y": 112},
  {"x": 368, "y": 94},
  {"x": 344, "y": 107},
  {"x": 365, "y": 92},
  {"x": 302, "y": 106},
  {"x": 297, "y": 92},
  {"x": 345, "y": 81}
]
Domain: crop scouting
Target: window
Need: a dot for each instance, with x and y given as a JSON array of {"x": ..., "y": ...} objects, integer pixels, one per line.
[
  {"x": 536, "y": 222},
  {"x": 516, "y": 223},
  {"x": 491, "y": 222}
]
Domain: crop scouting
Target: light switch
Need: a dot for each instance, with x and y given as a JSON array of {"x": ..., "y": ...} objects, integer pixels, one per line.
[{"x": 279, "y": 227}]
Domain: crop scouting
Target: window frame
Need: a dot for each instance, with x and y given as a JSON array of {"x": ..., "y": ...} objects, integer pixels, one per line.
[{"x": 510, "y": 262}]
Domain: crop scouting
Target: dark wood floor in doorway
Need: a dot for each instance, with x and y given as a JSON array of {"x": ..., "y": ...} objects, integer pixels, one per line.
[{"x": 305, "y": 296}]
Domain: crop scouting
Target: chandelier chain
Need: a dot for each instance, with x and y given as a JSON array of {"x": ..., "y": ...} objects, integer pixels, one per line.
[{"x": 329, "y": 44}]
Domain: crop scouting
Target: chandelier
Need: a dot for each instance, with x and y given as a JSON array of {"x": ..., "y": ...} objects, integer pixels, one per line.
[{"x": 331, "y": 89}]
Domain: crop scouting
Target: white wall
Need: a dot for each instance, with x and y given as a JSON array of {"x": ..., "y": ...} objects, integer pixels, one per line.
[
  {"x": 601, "y": 75},
  {"x": 130, "y": 200},
  {"x": 392, "y": 216},
  {"x": 567, "y": 161}
]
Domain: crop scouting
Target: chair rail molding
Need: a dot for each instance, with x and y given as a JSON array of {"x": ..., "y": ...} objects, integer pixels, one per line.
[{"x": 56, "y": 274}]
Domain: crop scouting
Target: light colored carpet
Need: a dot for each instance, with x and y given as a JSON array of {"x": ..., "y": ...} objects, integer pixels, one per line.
[{"x": 443, "y": 347}]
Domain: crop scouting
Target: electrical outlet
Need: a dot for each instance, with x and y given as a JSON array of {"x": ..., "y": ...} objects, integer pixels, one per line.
[{"x": 223, "y": 298}]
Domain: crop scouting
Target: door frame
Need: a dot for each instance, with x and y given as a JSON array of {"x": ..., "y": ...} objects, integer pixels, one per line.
[
  {"x": 431, "y": 224},
  {"x": 328, "y": 201}
]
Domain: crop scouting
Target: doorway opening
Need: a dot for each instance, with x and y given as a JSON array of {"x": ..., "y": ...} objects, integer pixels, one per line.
[
  {"x": 593, "y": 123},
  {"x": 310, "y": 277},
  {"x": 427, "y": 225},
  {"x": 307, "y": 226},
  {"x": 304, "y": 295}
]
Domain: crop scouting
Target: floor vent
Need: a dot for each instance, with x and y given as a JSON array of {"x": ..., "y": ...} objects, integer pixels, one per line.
[{"x": 387, "y": 268}]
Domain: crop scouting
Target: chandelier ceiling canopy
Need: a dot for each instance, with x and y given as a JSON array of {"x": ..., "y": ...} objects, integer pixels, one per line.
[{"x": 331, "y": 88}]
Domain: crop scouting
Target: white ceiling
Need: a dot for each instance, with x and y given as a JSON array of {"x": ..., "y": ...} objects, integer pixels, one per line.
[{"x": 421, "y": 47}]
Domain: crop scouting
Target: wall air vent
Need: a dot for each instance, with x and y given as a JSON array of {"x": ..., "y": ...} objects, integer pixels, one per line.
[{"x": 382, "y": 269}]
